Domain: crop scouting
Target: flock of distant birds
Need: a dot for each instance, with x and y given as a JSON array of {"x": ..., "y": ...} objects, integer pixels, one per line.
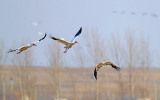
[
  {"x": 154, "y": 15},
  {"x": 68, "y": 45}
]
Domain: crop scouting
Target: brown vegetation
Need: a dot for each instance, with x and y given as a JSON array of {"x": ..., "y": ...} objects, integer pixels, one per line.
[
  {"x": 77, "y": 85},
  {"x": 135, "y": 80}
]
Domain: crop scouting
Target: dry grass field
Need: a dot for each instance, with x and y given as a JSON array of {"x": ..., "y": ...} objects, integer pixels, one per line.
[{"x": 75, "y": 83}]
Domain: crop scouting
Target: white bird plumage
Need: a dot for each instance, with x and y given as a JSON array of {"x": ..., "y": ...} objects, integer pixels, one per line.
[
  {"x": 68, "y": 44},
  {"x": 26, "y": 46},
  {"x": 36, "y": 23}
]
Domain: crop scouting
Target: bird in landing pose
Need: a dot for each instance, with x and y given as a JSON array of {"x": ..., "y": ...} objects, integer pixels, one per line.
[
  {"x": 26, "y": 46},
  {"x": 68, "y": 44},
  {"x": 104, "y": 63}
]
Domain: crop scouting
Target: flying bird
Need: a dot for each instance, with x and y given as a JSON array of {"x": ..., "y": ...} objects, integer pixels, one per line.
[
  {"x": 26, "y": 46},
  {"x": 68, "y": 44},
  {"x": 104, "y": 63},
  {"x": 144, "y": 14},
  {"x": 114, "y": 11},
  {"x": 36, "y": 23},
  {"x": 154, "y": 15},
  {"x": 133, "y": 13}
]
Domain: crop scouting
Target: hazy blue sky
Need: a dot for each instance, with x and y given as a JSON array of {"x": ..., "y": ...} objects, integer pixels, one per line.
[{"x": 63, "y": 18}]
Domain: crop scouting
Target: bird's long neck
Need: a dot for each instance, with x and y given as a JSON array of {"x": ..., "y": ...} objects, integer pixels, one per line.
[{"x": 73, "y": 42}]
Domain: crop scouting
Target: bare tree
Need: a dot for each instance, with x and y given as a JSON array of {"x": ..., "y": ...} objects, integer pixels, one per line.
[
  {"x": 3, "y": 59},
  {"x": 56, "y": 60},
  {"x": 133, "y": 52},
  {"x": 26, "y": 80},
  {"x": 96, "y": 50},
  {"x": 20, "y": 74},
  {"x": 80, "y": 57},
  {"x": 146, "y": 61},
  {"x": 28, "y": 60},
  {"x": 117, "y": 54},
  {"x": 131, "y": 56}
]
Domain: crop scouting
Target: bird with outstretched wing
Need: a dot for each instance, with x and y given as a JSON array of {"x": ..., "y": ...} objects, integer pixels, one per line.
[
  {"x": 68, "y": 44},
  {"x": 102, "y": 64},
  {"x": 26, "y": 46}
]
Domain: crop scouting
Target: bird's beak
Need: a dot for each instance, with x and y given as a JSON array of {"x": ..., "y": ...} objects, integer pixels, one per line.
[
  {"x": 76, "y": 42},
  {"x": 95, "y": 73},
  {"x": 34, "y": 45}
]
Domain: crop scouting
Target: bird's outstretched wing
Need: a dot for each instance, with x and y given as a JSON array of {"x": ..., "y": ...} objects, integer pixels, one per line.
[
  {"x": 113, "y": 66},
  {"x": 104, "y": 63},
  {"x": 59, "y": 40},
  {"x": 77, "y": 34},
  {"x": 26, "y": 46},
  {"x": 41, "y": 38},
  {"x": 95, "y": 73}
]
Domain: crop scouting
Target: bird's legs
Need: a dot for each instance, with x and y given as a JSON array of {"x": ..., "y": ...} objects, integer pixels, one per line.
[
  {"x": 66, "y": 50},
  {"x": 19, "y": 52},
  {"x": 97, "y": 69}
]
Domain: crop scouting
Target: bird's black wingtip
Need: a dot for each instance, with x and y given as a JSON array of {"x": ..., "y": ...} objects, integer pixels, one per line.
[
  {"x": 95, "y": 73},
  {"x": 45, "y": 34},
  {"x": 80, "y": 29},
  {"x": 79, "y": 32},
  {"x": 43, "y": 37}
]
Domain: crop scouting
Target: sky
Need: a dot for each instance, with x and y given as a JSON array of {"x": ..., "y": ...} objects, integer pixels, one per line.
[{"x": 63, "y": 18}]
